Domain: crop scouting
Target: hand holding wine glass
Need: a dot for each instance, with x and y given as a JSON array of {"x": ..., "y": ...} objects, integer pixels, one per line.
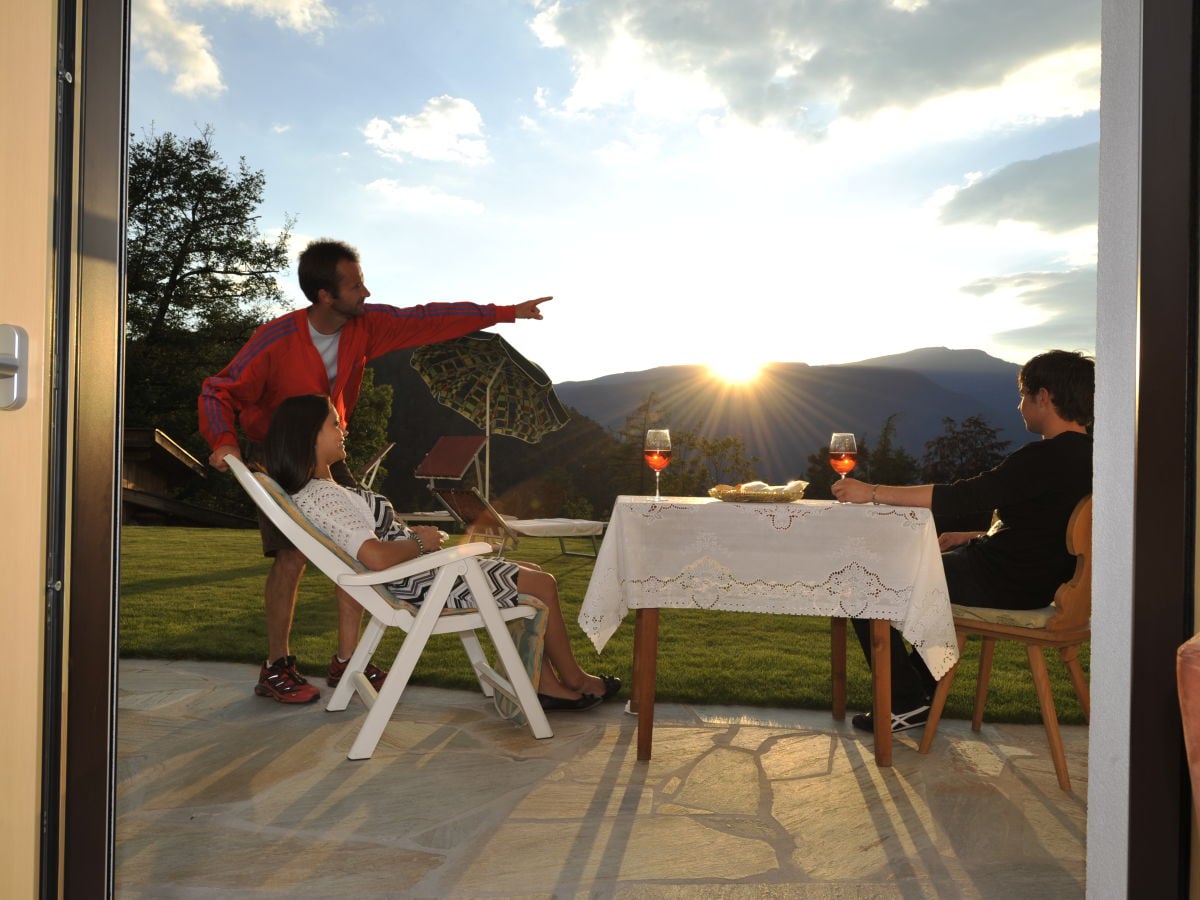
[
  {"x": 843, "y": 453},
  {"x": 657, "y": 452}
]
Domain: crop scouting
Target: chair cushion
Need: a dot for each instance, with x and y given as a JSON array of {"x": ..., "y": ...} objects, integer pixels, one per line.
[
  {"x": 554, "y": 527},
  {"x": 1018, "y": 618}
]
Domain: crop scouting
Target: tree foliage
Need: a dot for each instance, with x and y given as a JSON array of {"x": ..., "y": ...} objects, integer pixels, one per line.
[
  {"x": 884, "y": 463},
  {"x": 962, "y": 450},
  {"x": 887, "y": 462},
  {"x": 200, "y": 276},
  {"x": 369, "y": 426},
  {"x": 697, "y": 461}
]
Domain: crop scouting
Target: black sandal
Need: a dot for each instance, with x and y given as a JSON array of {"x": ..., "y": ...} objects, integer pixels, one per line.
[
  {"x": 612, "y": 686},
  {"x": 583, "y": 701}
]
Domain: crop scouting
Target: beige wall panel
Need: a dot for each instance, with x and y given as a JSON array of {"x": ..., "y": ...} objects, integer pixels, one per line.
[{"x": 27, "y": 96}]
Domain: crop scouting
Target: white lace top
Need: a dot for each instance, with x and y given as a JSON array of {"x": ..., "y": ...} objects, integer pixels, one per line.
[
  {"x": 342, "y": 514},
  {"x": 351, "y": 517}
]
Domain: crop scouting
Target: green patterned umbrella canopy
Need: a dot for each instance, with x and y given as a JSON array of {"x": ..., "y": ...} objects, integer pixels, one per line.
[{"x": 483, "y": 378}]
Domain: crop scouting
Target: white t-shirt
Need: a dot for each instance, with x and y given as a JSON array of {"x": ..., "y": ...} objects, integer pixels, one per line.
[{"x": 327, "y": 346}]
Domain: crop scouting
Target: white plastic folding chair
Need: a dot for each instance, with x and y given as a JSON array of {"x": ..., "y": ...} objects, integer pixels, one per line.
[{"x": 431, "y": 617}]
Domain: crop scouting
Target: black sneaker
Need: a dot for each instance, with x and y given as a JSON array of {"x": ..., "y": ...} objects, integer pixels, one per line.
[{"x": 913, "y": 718}]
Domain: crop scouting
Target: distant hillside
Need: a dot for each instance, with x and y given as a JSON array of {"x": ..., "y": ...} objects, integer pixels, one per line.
[{"x": 790, "y": 411}]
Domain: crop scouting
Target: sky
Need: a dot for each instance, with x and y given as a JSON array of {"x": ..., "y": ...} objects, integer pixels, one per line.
[{"x": 716, "y": 182}]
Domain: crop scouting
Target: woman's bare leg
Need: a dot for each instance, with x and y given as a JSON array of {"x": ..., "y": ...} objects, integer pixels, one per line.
[{"x": 558, "y": 643}]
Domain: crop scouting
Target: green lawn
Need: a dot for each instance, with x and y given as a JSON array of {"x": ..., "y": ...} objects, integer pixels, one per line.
[{"x": 196, "y": 593}]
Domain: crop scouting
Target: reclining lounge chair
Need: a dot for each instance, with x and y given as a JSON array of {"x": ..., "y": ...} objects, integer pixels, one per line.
[
  {"x": 445, "y": 467},
  {"x": 419, "y": 622}
]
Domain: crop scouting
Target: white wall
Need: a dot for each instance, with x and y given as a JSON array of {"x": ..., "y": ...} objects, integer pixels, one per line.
[
  {"x": 1116, "y": 371},
  {"x": 27, "y": 51}
]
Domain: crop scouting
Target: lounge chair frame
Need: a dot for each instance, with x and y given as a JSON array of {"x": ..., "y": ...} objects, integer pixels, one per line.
[{"x": 418, "y": 622}]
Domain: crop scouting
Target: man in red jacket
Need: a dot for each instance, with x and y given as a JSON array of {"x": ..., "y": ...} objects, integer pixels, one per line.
[{"x": 319, "y": 350}]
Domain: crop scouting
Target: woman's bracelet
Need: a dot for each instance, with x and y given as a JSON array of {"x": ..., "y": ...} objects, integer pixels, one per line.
[
  {"x": 873, "y": 490},
  {"x": 420, "y": 544}
]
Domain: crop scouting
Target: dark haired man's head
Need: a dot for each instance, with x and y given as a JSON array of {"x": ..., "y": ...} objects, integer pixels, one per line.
[
  {"x": 318, "y": 266},
  {"x": 291, "y": 444},
  {"x": 1069, "y": 378}
]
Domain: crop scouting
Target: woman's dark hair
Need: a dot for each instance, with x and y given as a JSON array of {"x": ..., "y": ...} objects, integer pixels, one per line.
[
  {"x": 290, "y": 449},
  {"x": 1069, "y": 377},
  {"x": 317, "y": 266}
]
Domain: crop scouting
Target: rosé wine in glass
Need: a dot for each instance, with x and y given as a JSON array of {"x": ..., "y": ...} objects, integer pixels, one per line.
[
  {"x": 843, "y": 453},
  {"x": 657, "y": 453}
]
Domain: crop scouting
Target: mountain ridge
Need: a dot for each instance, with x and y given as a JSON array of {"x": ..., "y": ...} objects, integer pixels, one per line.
[{"x": 790, "y": 410}]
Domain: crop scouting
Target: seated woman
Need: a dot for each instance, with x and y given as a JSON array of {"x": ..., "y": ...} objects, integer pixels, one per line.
[{"x": 304, "y": 439}]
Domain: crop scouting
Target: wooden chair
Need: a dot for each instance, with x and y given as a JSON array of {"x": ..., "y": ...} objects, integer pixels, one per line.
[
  {"x": 1187, "y": 675},
  {"x": 419, "y": 622},
  {"x": 1064, "y": 626}
]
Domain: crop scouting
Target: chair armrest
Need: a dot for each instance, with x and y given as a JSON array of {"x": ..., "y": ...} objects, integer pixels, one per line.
[{"x": 424, "y": 563}]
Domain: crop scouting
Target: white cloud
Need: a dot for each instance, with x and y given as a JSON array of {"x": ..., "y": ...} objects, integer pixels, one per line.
[
  {"x": 170, "y": 45},
  {"x": 1057, "y": 192},
  {"x": 420, "y": 198},
  {"x": 304, "y": 16},
  {"x": 281, "y": 129},
  {"x": 1061, "y": 307},
  {"x": 173, "y": 45},
  {"x": 636, "y": 148},
  {"x": 448, "y": 129},
  {"x": 806, "y": 64}
]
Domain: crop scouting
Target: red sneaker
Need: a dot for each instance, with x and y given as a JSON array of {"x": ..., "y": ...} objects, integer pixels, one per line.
[
  {"x": 282, "y": 683},
  {"x": 337, "y": 669}
]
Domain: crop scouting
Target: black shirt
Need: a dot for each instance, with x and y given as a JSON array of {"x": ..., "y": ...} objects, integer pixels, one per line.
[{"x": 1035, "y": 489}]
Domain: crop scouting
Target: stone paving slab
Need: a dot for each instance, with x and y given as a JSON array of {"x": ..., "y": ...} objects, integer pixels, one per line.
[{"x": 224, "y": 794}]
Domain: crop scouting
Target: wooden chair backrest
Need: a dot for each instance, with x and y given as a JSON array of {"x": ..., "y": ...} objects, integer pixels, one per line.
[{"x": 1074, "y": 598}]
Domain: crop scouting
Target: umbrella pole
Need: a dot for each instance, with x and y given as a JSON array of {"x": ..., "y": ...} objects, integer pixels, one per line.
[{"x": 487, "y": 435}]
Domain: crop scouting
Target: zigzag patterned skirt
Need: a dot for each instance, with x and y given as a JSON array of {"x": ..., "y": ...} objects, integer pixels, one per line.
[{"x": 500, "y": 574}]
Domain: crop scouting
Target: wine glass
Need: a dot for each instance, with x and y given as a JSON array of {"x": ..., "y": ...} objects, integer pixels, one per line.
[
  {"x": 843, "y": 453},
  {"x": 657, "y": 452}
]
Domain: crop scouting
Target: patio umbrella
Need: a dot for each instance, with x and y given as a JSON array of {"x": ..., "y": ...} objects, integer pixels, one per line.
[{"x": 483, "y": 378}]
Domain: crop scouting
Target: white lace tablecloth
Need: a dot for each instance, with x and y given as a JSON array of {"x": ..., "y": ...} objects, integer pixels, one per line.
[{"x": 807, "y": 558}]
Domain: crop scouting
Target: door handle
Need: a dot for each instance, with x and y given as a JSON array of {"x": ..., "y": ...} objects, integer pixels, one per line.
[{"x": 14, "y": 366}]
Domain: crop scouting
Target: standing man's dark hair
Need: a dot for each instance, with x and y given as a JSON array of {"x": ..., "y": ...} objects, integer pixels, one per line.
[
  {"x": 1069, "y": 377},
  {"x": 317, "y": 266}
]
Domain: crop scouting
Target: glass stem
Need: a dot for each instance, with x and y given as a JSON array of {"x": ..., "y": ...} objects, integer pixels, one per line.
[{"x": 656, "y": 494}]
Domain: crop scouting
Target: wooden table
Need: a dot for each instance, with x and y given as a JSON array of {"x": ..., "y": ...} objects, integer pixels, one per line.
[{"x": 812, "y": 558}]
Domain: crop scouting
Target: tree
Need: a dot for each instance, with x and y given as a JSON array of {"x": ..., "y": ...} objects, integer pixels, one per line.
[
  {"x": 962, "y": 451},
  {"x": 199, "y": 278},
  {"x": 368, "y": 429},
  {"x": 887, "y": 462},
  {"x": 629, "y": 471},
  {"x": 698, "y": 463}
]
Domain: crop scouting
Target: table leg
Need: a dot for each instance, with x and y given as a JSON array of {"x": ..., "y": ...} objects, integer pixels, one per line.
[
  {"x": 881, "y": 683},
  {"x": 837, "y": 656},
  {"x": 645, "y": 672}
]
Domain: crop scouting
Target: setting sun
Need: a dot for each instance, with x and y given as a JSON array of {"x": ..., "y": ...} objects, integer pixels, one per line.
[{"x": 736, "y": 371}]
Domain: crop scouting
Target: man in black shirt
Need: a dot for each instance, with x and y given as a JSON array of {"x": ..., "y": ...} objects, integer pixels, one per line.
[{"x": 1020, "y": 562}]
